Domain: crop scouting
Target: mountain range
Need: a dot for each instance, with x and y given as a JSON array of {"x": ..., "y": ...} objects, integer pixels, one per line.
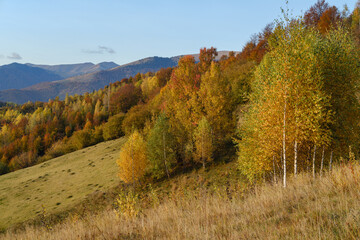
[{"x": 20, "y": 83}]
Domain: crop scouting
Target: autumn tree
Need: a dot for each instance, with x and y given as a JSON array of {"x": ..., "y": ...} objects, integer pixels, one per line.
[
  {"x": 218, "y": 103},
  {"x": 132, "y": 161},
  {"x": 113, "y": 128},
  {"x": 206, "y": 57},
  {"x": 161, "y": 148},
  {"x": 203, "y": 139},
  {"x": 289, "y": 104},
  {"x": 313, "y": 15},
  {"x": 330, "y": 18},
  {"x": 183, "y": 105}
]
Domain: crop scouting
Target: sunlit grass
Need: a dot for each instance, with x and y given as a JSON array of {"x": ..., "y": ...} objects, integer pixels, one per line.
[
  {"x": 324, "y": 208},
  {"x": 58, "y": 184}
]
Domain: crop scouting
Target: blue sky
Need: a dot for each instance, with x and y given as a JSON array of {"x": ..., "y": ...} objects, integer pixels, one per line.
[{"x": 74, "y": 31}]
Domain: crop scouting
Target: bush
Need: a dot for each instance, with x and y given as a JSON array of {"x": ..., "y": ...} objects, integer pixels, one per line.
[
  {"x": 3, "y": 168},
  {"x": 81, "y": 139}
]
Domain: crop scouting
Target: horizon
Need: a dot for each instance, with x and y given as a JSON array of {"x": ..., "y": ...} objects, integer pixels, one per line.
[{"x": 70, "y": 32}]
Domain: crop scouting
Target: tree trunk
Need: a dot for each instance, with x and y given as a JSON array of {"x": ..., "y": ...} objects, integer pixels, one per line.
[
  {"x": 330, "y": 164},
  {"x": 166, "y": 168},
  {"x": 308, "y": 160},
  {"x": 295, "y": 157},
  {"x": 284, "y": 145},
  {"x": 274, "y": 169},
  {"x": 322, "y": 161},
  {"x": 313, "y": 165}
]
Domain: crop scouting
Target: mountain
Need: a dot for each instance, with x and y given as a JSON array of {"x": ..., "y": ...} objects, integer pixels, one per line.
[
  {"x": 84, "y": 83},
  {"x": 71, "y": 70},
  {"x": 17, "y": 75},
  {"x": 100, "y": 77}
]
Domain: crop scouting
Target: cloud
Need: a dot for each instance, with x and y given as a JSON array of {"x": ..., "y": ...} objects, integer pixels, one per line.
[
  {"x": 99, "y": 50},
  {"x": 14, "y": 56}
]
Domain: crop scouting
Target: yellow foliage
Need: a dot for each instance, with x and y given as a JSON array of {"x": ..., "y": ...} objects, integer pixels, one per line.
[{"x": 133, "y": 161}]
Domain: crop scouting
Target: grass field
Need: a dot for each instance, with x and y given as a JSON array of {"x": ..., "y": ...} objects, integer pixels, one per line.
[
  {"x": 58, "y": 184},
  {"x": 321, "y": 208}
]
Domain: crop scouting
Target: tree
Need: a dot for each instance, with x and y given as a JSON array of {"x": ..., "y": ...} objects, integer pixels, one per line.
[
  {"x": 203, "y": 139},
  {"x": 183, "y": 105},
  {"x": 328, "y": 19},
  {"x": 132, "y": 161},
  {"x": 161, "y": 148},
  {"x": 113, "y": 128},
  {"x": 313, "y": 15},
  {"x": 218, "y": 103},
  {"x": 206, "y": 57},
  {"x": 289, "y": 105}
]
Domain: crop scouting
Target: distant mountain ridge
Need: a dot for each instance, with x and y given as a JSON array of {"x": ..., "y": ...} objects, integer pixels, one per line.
[
  {"x": 71, "y": 70},
  {"x": 79, "y": 84},
  {"x": 17, "y": 75}
]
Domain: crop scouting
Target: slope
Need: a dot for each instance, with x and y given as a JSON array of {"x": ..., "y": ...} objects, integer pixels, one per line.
[
  {"x": 324, "y": 208},
  {"x": 58, "y": 184}
]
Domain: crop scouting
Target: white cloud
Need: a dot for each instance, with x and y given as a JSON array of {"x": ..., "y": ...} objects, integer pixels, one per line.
[
  {"x": 14, "y": 56},
  {"x": 99, "y": 50}
]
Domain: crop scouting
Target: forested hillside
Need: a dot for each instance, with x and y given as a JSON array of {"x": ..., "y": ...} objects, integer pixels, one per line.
[{"x": 286, "y": 105}]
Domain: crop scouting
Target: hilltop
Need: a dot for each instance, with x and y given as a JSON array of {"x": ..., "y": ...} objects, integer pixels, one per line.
[{"x": 58, "y": 80}]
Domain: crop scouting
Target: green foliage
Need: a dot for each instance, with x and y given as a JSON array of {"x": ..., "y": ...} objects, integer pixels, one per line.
[
  {"x": 136, "y": 118},
  {"x": 113, "y": 128},
  {"x": 3, "y": 168},
  {"x": 302, "y": 88},
  {"x": 81, "y": 139},
  {"x": 203, "y": 139},
  {"x": 161, "y": 148},
  {"x": 287, "y": 87}
]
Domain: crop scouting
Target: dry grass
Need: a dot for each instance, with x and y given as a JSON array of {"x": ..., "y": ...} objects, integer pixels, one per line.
[{"x": 324, "y": 208}]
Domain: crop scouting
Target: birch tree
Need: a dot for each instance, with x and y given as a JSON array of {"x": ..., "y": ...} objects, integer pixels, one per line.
[
  {"x": 161, "y": 148},
  {"x": 132, "y": 161}
]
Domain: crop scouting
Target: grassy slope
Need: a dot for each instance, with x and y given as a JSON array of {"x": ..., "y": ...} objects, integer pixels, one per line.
[
  {"x": 58, "y": 184},
  {"x": 324, "y": 208}
]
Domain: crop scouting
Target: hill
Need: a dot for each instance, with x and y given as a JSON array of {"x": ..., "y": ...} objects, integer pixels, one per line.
[
  {"x": 17, "y": 75},
  {"x": 194, "y": 206},
  {"x": 58, "y": 184}
]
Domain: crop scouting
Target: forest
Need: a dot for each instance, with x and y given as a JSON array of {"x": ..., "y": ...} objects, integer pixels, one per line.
[
  {"x": 287, "y": 103},
  {"x": 258, "y": 144}
]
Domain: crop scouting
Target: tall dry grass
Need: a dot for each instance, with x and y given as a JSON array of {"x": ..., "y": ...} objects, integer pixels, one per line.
[{"x": 324, "y": 208}]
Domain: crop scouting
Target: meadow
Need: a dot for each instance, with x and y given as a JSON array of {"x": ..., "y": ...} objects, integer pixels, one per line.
[
  {"x": 58, "y": 184},
  {"x": 324, "y": 208}
]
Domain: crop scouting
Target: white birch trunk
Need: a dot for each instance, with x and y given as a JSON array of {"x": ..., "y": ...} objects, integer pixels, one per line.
[
  {"x": 322, "y": 161},
  {"x": 313, "y": 165},
  {"x": 274, "y": 169}
]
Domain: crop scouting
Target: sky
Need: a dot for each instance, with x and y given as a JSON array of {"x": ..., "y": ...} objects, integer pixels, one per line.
[{"x": 74, "y": 31}]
